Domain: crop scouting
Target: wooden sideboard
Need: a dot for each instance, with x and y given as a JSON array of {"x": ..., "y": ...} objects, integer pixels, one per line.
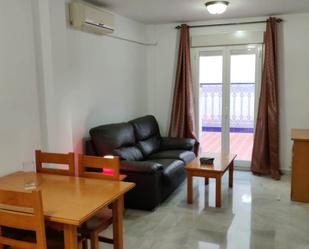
[{"x": 300, "y": 165}]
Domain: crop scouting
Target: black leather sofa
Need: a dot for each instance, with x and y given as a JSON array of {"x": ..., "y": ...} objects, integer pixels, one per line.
[{"x": 154, "y": 163}]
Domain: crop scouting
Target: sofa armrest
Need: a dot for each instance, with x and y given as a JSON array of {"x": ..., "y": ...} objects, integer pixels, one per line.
[
  {"x": 89, "y": 149},
  {"x": 147, "y": 176},
  {"x": 140, "y": 167},
  {"x": 172, "y": 143}
]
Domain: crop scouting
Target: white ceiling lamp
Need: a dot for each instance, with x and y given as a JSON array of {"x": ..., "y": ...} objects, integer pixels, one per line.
[{"x": 216, "y": 7}]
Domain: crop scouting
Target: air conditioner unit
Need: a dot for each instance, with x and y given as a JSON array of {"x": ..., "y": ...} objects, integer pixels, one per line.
[{"x": 91, "y": 19}]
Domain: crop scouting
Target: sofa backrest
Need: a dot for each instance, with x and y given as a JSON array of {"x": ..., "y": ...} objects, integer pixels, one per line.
[
  {"x": 131, "y": 141},
  {"x": 108, "y": 137},
  {"x": 147, "y": 134}
]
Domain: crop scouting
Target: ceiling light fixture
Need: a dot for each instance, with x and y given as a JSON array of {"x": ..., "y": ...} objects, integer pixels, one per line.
[{"x": 216, "y": 7}]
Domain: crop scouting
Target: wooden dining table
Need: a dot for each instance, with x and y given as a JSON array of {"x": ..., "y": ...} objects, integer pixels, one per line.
[{"x": 70, "y": 201}]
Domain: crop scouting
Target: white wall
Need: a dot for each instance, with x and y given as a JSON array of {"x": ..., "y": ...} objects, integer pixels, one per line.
[
  {"x": 293, "y": 73},
  {"x": 96, "y": 79},
  {"x": 293, "y": 80},
  {"x": 66, "y": 80},
  {"x": 161, "y": 73},
  {"x": 19, "y": 125}
]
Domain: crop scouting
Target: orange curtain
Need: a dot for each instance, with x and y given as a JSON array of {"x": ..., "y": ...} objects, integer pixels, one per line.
[
  {"x": 265, "y": 155},
  {"x": 183, "y": 117}
]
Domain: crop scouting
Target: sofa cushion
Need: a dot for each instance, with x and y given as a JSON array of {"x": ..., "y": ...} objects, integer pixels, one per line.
[
  {"x": 149, "y": 146},
  {"x": 131, "y": 153},
  {"x": 106, "y": 138},
  {"x": 144, "y": 167},
  {"x": 145, "y": 127},
  {"x": 173, "y": 143},
  {"x": 184, "y": 155},
  {"x": 172, "y": 170}
]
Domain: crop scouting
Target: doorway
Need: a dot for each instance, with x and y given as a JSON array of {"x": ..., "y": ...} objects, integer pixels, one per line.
[{"x": 229, "y": 80}]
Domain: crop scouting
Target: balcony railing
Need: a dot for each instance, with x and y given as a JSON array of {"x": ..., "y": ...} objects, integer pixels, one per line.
[{"x": 241, "y": 106}]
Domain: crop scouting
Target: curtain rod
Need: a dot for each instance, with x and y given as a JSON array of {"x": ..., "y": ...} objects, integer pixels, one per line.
[{"x": 227, "y": 24}]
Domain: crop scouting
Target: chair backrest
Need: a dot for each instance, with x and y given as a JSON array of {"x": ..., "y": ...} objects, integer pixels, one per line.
[
  {"x": 55, "y": 158},
  {"x": 99, "y": 167},
  {"x": 22, "y": 210}
]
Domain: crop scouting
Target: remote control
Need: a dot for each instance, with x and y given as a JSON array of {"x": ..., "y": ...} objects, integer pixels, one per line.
[{"x": 207, "y": 160}]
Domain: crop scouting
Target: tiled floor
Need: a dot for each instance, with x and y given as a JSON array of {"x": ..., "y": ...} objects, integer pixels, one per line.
[
  {"x": 240, "y": 144},
  {"x": 257, "y": 214}
]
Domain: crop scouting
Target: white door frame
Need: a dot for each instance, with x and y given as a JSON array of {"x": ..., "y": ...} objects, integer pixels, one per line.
[{"x": 226, "y": 50}]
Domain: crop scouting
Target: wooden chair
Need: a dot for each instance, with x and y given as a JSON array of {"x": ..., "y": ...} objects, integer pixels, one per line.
[
  {"x": 21, "y": 210},
  {"x": 22, "y": 223},
  {"x": 55, "y": 158},
  {"x": 101, "y": 168},
  {"x": 106, "y": 168}
]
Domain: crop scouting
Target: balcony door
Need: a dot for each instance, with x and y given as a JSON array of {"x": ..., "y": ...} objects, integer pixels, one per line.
[{"x": 228, "y": 88}]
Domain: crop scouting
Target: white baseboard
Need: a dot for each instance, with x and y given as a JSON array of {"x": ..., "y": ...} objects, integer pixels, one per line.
[
  {"x": 286, "y": 171},
  {"x": 244, "y": 168}
]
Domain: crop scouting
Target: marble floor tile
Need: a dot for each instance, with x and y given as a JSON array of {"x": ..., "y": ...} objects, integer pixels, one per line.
[{"x": 256, "y": 214}]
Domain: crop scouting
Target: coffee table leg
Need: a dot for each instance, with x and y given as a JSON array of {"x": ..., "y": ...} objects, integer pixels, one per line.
[
  {"x": 189, "y": 188},
  {"x": 206, "y": 180},
  {"x": 218, "y": 191},
  {"x": 231, "y": 172}
]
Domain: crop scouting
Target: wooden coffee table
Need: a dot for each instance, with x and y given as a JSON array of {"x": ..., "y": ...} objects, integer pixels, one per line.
[{"x": 222, "y": 163}]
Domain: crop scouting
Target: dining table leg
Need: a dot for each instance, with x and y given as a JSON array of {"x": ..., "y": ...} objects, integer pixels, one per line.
[
  {"x": 118, "y": 223},
  {"x": 70, "y": 237}
]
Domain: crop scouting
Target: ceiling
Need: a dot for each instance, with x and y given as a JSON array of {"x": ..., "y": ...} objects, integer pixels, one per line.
[{"x": 167, "y": 11}]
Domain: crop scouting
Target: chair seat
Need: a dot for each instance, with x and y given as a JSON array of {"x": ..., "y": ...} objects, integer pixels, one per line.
[
  {"x": 99, "y": 222},
  {"x": 183, "y": 155},
  {"x": 55, "y": 239}
]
